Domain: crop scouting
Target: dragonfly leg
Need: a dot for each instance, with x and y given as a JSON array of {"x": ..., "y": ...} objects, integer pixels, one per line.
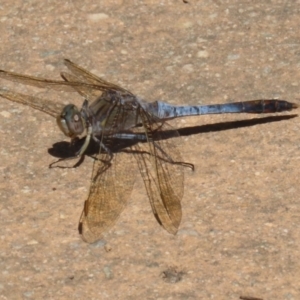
[
  {"x": 81, "y": 150},
  {"x": 86, "y": 142},
  {"x": 102, "y": 146},
  {"x": 170, "y": 160}
]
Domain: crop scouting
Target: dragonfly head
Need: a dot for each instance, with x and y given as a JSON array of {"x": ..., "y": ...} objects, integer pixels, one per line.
[{"x": 70, "y": 121}]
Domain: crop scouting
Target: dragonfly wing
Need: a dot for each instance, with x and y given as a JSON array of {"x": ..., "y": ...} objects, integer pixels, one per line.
[
  {"x": 79, "y": 74},
  {"x": 46, "y": 106},
  {"x": 162, "y": 176},
  {"x": 37, "y": 81},
  {"x": 85, "y": 76},
  {"x": 84, "y": 91},
  {"x": 111, "y": 185},
  {"x": 60, "y": 85}
]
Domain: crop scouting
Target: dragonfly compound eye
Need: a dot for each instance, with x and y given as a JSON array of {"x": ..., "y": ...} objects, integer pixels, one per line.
[{"x": 70, "y": 121}]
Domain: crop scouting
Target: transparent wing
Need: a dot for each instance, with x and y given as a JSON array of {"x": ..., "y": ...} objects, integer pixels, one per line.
[
  {"x": 160, "y": 165},
  {"x": 49, "y": 107},
  {"x": 84, "y": 91},
  {"x": 85, "y": 76},
  {"x": 40, "y": 82},
  {"x": 110, "y": 189},
  {"x": 85, "y": 80}
]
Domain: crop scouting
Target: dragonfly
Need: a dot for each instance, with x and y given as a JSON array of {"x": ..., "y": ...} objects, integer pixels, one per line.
[{"x": 110, "y": 113}]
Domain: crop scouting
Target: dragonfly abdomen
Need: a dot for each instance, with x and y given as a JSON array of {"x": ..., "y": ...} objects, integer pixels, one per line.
[
  {"x": 266, "y": 106},
  {"x": 166, "y": 111}
]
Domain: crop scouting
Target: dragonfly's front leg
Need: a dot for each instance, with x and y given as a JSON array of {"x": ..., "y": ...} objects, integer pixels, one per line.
[
  {"x": 86, "y": 142},
  {"x": 81, "y": 150}
]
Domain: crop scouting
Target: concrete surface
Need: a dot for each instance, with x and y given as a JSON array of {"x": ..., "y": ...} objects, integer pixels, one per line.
[{"x": 241, "y": 210}]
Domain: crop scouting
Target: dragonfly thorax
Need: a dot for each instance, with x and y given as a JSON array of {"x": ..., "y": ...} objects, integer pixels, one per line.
[{"x": 70, "y": 121}]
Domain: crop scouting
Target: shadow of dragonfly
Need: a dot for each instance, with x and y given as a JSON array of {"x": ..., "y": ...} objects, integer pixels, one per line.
[{"x": 126, "y": 129}]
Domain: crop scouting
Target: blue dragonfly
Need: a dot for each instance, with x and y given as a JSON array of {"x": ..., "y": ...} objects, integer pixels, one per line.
[{"x": 111, "y": 113}]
